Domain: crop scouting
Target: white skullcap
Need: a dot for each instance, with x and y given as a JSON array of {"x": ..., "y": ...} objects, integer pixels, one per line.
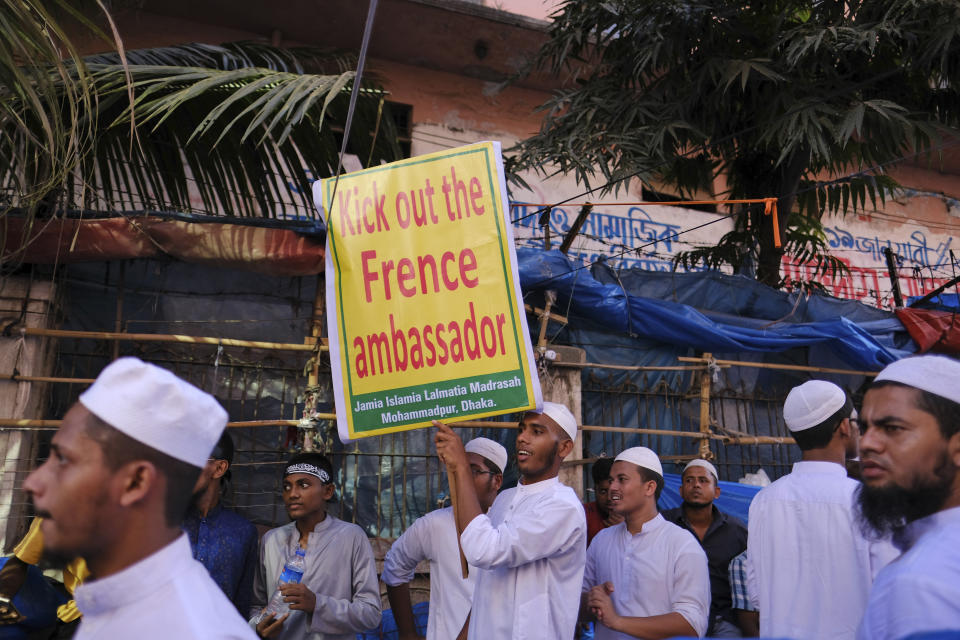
[
  {"x": 155, "y": 407},
  {"x": 938, "y": 375},
  {"x": 642, "y": 457},
  {"x": 811, "y": 403},
  {"x": 562, "y": 416},
  {"x": 492, "y": 451},
  {"x": 700, "y": 462}
]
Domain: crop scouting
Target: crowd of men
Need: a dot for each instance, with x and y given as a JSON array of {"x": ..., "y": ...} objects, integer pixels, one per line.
[{"x": 129, "y": 503}]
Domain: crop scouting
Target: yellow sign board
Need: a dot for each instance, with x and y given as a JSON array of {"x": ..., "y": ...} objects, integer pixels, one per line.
[{"x": 424, "y": 307}]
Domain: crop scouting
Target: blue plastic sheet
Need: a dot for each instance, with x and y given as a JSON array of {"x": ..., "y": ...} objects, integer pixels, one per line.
[
  {"x": 612, "y": 307},
  {"x": 37, "y": 601}
]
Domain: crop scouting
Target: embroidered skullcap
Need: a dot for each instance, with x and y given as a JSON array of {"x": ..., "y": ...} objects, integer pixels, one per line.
[
  {"x": 561, "y": 415},
  {"x": 158, "y": 409},
  {"x": 938, "y": 375},
  {"x": 492, "y": 451},
  {"x": 642, "y": 457},
  {"x": 811, "y": 403},
  {"x": 700, "y": 462}
]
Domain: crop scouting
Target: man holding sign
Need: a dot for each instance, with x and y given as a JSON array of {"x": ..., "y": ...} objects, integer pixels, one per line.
[{"x": 530, "y": 549}]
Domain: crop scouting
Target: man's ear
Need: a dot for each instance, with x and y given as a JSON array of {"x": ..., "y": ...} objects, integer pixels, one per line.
[
  {"x": 716, "y": 486},
  {"x": 220, "y": 468},
  {"x": 136, "y": 481},
  {"x": 953, "y": 449},
  {"x": 328, "y": 490},
  {"x": 565, "y": 448},
  {"x": 497, "y": 481}
]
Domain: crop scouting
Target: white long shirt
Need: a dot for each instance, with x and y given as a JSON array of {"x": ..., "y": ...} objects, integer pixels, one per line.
[
  {"x": 166, "y": 595},
  {"x": 920, "y": 591},
  {"x": 662, "y": 569},
  {"x": 809, "y": 568},
  {"x": 434, "y": 537},
  {"x": 530, "y": 551},
  {"x": 340, "y": 570}
]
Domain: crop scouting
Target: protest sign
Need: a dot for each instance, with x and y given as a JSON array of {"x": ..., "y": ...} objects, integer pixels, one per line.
[{"x": 425, "y": 316}]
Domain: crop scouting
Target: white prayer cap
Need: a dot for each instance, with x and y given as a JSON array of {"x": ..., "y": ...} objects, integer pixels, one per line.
[
  {"x": 811, "y": 403},
  {"x": 492, "y": 451},
  {"x": 938, "y": 375},
  {"x": 700, "y": 462},
  {"x": 642, "y": 457},
  {"x": 562, "y": 416},
  {"x": 155, "y": 407}
]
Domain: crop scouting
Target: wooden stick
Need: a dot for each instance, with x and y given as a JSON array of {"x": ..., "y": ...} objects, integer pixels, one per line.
[
  {"x": 162, "y": 337},
  {"x": 784, "y": 367},
  {"x": 452, "y": 481}
]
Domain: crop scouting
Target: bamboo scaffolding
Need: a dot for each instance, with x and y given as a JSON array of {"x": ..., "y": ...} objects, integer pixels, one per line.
[
  {"x": 783, "y": 367},
  {"x": 166, "y": 337}
]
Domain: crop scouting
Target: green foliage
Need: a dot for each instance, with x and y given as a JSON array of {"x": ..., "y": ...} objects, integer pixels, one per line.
[
  {"x": 774, "y": 95},
  {"x": 237, "y": 125}
]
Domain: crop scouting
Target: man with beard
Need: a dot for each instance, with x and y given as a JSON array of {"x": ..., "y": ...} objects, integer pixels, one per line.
[
  {"x": 809, "y": 569},
  {"x": 531, "y": 547},
  {"x": 645, "y": 577},
  {"x": 722, "y": 537},
  {"x": 222, "y": 540},
  {"x": 434, "y": 538},
  {"x": 114, "y": 491},
  {"x": 911, "y": 452}
]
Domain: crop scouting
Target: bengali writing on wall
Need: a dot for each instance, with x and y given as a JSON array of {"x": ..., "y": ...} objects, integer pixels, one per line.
[{"x": 650, "y": 236}]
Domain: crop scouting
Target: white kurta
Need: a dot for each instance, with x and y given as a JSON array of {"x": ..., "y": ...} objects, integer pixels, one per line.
[
  {"x": 530, "y": 552},
  {"x": 920, "y": 591},
  {"x": 662, "y": 569},
  {"x": 166, "y": 595},
  {"x": 341, "y": 572},
  {"x": 434, "y": 538},
  {"x": 809, "y": 568}
]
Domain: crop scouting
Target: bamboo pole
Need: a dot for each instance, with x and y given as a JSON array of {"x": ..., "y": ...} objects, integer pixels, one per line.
[
  {"x": 479, "y": 424},
  {"x": 313, "y": 379},
  {"x": 553, "y": 316},
  {"x": 783, "y": 367},
  {"x": 162, "y": 337},
  {"x": 705, "y": 409}
]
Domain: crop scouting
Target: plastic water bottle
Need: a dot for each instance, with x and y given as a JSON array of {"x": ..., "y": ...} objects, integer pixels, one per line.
[{"x": 292, "y": 572}]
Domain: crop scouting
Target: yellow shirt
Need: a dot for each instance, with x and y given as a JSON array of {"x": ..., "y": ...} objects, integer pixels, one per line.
[{"x": 29, "y": 550}]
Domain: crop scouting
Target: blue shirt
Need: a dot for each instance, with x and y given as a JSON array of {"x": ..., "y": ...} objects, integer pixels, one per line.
[
  {"x": 226, "y": 544},
  {"x": 920, "y": 591}
]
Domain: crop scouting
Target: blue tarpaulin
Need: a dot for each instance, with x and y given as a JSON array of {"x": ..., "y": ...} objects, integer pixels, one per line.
[{"x": 611, "y": 306}]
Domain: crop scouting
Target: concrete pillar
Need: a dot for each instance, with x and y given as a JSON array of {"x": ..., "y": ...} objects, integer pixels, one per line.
[
  {"x": 24, "y": 302},
  {"x": 562, "y": 385}
]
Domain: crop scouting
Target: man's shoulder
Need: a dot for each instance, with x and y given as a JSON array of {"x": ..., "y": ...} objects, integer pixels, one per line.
[
  {"x": 282, "y": 533},
  {"x": 672, "y": 515},
  {"x": 679, "y": 538},
  {"x": 232, "y": 519}
]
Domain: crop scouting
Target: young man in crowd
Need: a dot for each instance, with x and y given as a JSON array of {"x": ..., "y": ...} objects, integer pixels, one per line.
[
  {"x": 339, "y": 594},
  {"x": 114, "y": 491},
  {"x": 645, "y": 577},
  {"x": 722, "y": 537},
  {"x": 911, "y": 488},
  {"x": 434, "y": 538},
  {"x": 529, "y": 550},
  {"x": 599, "y": 514},
  {"x": 222, "y": 540},
  {"x": 809, "y": 569}
]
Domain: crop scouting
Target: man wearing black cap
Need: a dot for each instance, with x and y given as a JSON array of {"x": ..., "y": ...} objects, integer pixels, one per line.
[{"x": 222, "y": 540}]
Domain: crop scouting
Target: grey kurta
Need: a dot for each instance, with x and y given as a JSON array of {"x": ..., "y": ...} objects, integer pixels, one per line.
[{"x": 340, "y": 571}]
